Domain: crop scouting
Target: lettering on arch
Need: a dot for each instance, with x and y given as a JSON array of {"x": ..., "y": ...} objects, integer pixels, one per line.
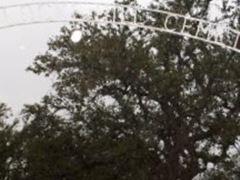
[{"x": 215, "y": 33}]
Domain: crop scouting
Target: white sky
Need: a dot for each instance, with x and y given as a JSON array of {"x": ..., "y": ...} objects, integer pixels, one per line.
[{"x": 18, "y": 47}]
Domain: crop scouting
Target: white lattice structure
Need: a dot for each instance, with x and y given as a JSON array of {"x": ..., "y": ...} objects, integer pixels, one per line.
[{"x": 177, "y": 24}]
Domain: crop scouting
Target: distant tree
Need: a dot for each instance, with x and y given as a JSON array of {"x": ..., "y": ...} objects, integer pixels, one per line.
[
  {"x": 7, "y": 147},
  {"x": 133, "y": 104}
]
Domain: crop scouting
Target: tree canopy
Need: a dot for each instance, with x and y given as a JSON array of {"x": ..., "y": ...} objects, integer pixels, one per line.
[{"x": 130, "y": 103}]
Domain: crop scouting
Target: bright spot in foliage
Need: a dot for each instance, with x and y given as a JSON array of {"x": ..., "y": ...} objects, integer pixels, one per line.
[{"x": 76, "y": 36}]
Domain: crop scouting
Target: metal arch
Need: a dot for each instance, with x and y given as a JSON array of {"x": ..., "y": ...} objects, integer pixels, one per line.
[{"x": 231, "y": 36}]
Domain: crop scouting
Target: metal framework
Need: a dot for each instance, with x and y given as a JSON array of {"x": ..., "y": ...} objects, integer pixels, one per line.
[{"x": 55, "y": 12}]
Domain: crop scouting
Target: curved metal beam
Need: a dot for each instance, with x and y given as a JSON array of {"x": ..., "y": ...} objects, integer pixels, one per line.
[{"x": 190, "y": 27}]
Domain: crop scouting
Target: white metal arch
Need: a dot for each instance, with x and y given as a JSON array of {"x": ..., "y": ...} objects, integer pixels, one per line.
[{"x": 53, "y": 12}]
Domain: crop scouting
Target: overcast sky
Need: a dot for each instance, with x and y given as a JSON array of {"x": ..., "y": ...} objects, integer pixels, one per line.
[{"x": 18, "y": 47}]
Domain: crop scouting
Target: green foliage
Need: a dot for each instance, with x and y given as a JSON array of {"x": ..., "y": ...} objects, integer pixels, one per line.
[
  {"x": 7, "y": 144},
  {"x": 131, "y": 104}
]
